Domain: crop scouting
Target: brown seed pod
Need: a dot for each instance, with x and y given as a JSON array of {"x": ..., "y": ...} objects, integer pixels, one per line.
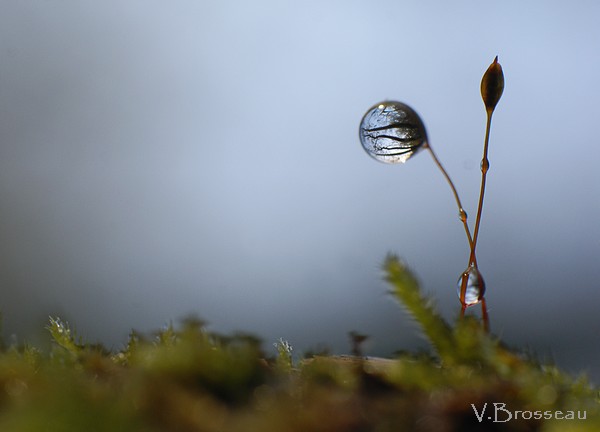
[{"x": 492, "y": 85}]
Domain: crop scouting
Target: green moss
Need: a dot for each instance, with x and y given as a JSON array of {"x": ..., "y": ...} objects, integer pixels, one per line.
[{"x": 190, "y": 379}]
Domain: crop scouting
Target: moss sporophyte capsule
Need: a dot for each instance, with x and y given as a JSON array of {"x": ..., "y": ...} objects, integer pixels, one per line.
[{"x": 492, "y": 85}]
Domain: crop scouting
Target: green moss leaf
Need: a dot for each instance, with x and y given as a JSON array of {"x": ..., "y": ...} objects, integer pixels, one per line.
[{"x": 406, "y": 288}]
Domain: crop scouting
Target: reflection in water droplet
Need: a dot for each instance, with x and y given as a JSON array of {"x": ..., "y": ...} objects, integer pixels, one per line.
[
  {"x": 392, "y": 132},
  {"x": 475, "y": 286}
]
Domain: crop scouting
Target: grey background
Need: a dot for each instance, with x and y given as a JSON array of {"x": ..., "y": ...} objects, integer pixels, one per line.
[{"x": 165, "y": 158}]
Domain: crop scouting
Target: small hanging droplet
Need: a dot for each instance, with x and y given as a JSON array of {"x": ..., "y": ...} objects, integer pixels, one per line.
[
  {"x": 475, "y": 288},
  {"x": 485, "y": 165},
  {"x": 392, "y": 132}
]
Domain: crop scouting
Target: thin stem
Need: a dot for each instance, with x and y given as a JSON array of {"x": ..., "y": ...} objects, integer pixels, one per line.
[
  {"x": 484, "y": 169},
  {"x": 485, "y": 164},
  {"x": 461, "y": 212},
  {"x": 463, "y": 291}
]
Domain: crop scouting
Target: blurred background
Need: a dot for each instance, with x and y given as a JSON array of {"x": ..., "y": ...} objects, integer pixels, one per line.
[{"x": 161, "y": 159}]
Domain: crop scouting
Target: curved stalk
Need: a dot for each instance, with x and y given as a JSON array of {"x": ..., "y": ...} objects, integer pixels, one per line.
[{"x": 462, "y": 215}]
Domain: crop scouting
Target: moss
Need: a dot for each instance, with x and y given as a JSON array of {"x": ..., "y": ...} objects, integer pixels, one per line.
[{"x": 190, "y": 379}]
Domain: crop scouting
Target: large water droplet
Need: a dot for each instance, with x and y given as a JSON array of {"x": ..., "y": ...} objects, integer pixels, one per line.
[
  {"x": 392, "y": 132},
  {"x": 475, "y": 288}
]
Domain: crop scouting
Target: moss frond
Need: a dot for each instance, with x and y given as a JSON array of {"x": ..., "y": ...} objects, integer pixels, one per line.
[
  {"x": 64, "y": 336},
  {"x": 406, "y": 288}
]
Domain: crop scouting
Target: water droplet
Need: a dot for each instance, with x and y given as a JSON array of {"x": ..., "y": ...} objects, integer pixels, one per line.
[
  {"x": 392, "y": 132},
  {"x": 485, "y": 165},
  {"x": 462, "y": 215},
  {"x": 475, "y": 288}
]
